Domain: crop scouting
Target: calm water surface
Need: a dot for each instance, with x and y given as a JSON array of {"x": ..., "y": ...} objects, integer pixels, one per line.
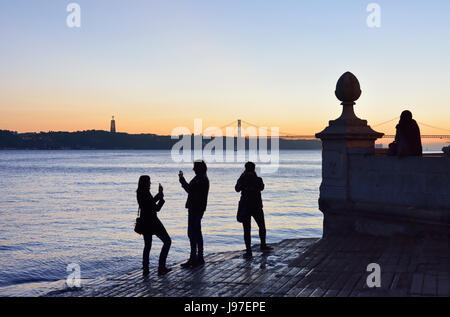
[{"x": 61, "y": 207}]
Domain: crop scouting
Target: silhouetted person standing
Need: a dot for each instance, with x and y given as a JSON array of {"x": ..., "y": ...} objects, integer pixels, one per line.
[
  {"x": 197, "y": 190},
  {"x": 407, "y": 138},
  {"x": 151, "y": 225},
  {"x": 250, "y": 205}
]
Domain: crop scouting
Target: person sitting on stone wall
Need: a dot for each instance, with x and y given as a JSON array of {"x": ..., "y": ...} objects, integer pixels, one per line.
[
  {"x": 446, "y": 150},
  {"x": 407, "y": 138}
]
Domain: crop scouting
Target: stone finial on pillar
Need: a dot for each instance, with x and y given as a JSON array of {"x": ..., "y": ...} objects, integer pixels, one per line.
[
  {"x": 344, "y": 138},
  {"x": 348, "y": 126}
]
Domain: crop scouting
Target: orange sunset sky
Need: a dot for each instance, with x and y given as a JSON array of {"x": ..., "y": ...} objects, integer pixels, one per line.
[{"x": 158, "y": 65}]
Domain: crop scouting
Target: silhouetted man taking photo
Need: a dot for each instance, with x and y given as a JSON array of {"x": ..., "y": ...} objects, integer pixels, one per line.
[{"x": 197, "y": 190}]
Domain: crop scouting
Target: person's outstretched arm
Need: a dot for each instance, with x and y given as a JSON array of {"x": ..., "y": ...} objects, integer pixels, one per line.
[
  {"x": 158, "y": 197},
  {"x": 160, "y": 194},
  {"x": 148, "y": 202},
  {"x": 186, "y": 186},
  {"x": 160, "y": 204}
]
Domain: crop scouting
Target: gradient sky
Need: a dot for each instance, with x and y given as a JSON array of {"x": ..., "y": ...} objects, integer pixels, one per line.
[{"x": 157, "y": 65}]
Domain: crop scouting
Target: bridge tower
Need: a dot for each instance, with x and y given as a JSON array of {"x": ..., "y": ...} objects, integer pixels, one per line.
[
  {"x": 113, "y": 125},
  {"x": 239, "y": 128}
]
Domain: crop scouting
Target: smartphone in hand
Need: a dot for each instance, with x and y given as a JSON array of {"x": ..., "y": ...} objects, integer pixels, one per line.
[{"x": 160, "y": 188}]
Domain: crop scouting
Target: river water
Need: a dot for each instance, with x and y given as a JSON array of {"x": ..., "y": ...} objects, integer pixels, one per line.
[{"x": 63, "y": 207}]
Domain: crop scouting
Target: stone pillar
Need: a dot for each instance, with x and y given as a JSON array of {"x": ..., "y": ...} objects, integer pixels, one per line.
[{"x": 345, "y": 136}]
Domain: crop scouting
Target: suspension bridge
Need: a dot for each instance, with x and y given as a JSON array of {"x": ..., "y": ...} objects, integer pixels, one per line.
[{"x": 286, "y": 135}]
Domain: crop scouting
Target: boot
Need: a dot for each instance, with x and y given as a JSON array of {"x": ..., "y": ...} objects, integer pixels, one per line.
[
  {"x": 189, "y": 263},
  {"x": 248, "y": 254},
  {"x": 145, "y": 271},
  {"x": 265, "y": 248},
  {"x": 199, "y": 261},
  {"x": 163, "y": 270}
]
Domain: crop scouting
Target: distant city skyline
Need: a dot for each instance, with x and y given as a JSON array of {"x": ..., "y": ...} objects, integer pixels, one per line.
[{"x": 158, "y": 65}]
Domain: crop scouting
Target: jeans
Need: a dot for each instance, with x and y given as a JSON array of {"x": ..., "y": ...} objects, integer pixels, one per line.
[
  {"x": 161, "y": 233},
  {"x": 259, "y": 218},
  {"x": 195, "y": 233}
]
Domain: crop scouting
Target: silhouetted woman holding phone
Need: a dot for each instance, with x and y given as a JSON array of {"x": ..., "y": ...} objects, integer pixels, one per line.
[
  {"x": 250, "y": 205},
  {"x": 151, "y": 225}
]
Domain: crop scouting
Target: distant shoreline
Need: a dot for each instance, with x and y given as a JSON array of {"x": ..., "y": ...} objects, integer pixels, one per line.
[
  {"x": 104, "y": 140},
  {"x": 22, "y": 149}
]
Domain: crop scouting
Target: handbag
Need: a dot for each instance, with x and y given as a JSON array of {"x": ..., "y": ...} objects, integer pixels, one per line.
[{"x": 138, "y": 225}]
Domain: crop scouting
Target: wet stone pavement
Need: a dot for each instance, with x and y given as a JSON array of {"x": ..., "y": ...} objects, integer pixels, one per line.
[{"x": 296, "y": 268}]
